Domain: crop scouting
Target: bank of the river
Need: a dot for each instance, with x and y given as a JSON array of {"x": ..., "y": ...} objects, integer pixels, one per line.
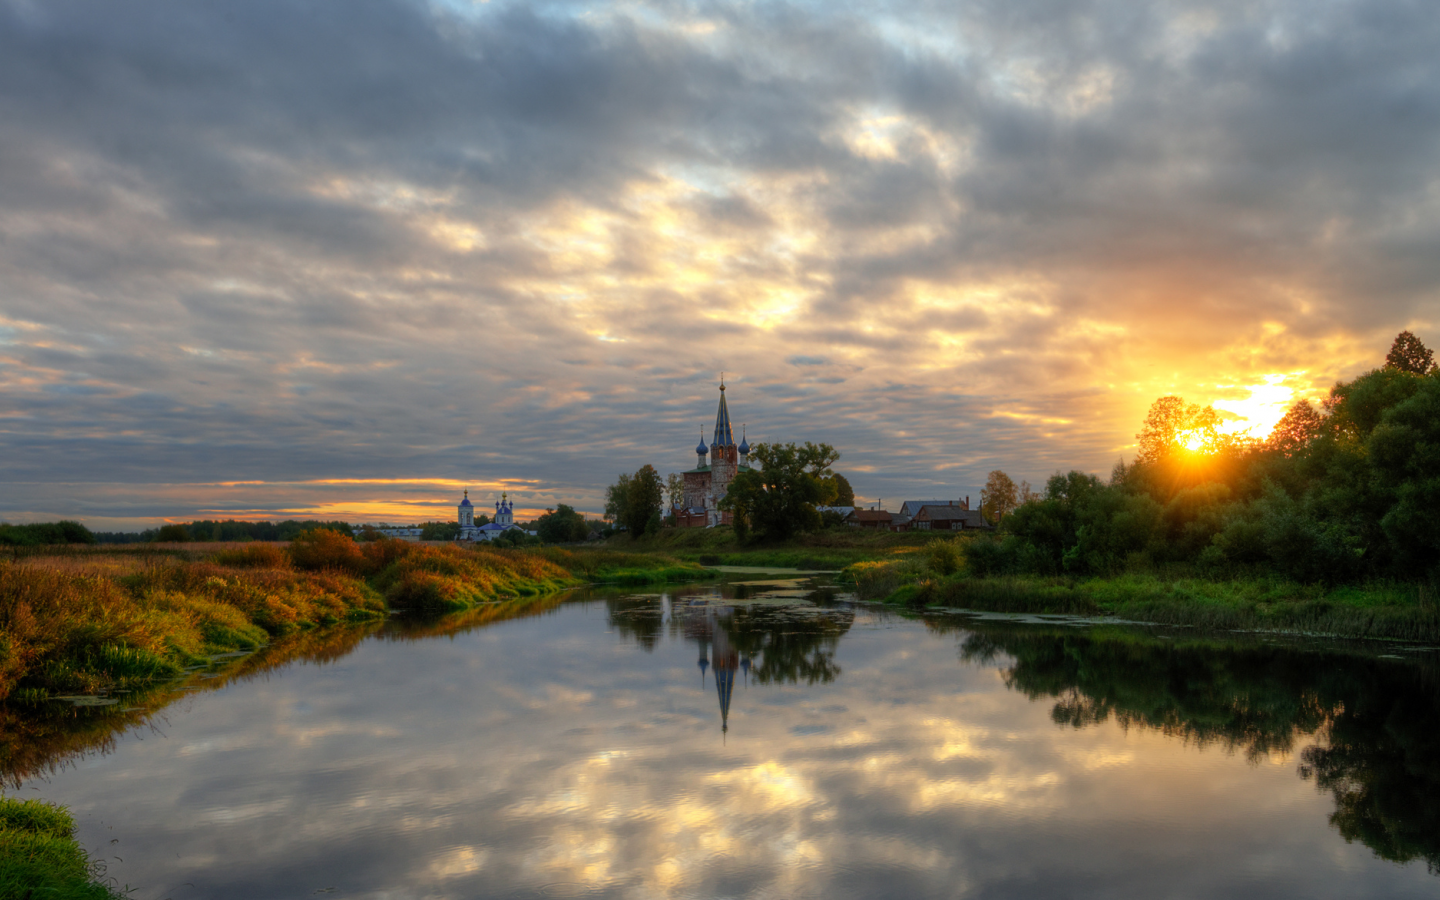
[
  {"x": 40, "y": 858},
  {"x": 1404, "y": 612},
  {"x": 105, "y": 619},
  {"x": 829, "y": 550}
]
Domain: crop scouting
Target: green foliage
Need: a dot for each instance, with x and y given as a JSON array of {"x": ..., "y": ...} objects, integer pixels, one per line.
[
  {"x": 440, "y": 531},
  {"x": 173, "y": 534},
  {"x": 230, "y": 530},
  {"x": 844, "y": 493},
  {"x": 633, "y": 499},
  {"x": 1349, "y": 496},
  {"x": 45, "y": 533},
  {"x": 779, "y": 499},
  {"x": 562, "y": 525}
]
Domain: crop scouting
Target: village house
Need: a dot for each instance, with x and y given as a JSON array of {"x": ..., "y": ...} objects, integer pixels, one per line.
[
  {"x": 876, "y": 519},
  {"x": 948, "y": 518}
]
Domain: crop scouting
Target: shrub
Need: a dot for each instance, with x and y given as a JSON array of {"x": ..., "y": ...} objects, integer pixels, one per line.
[
  {"x": 323, "y": 548},
  {"x": 944, "y": 557},
  {"x": 255, "y": 556}
]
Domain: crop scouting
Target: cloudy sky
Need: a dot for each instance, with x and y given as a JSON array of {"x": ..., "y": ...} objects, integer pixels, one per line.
[{"x": 273, "y": 259}]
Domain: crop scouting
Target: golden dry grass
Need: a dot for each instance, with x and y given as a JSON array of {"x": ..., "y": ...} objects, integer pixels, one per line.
[{"x": 97, "y": 619}]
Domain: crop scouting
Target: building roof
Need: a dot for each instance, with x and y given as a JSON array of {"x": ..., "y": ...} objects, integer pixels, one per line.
[
  {"x": 724, "y": 434},
  {"x": 972, "y": 518},
  {"x": 870, "y": 515},
  {"x": 911, "y": 507}
]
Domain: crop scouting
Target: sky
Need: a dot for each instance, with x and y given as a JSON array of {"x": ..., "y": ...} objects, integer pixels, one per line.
[{"x": 270, "y": 259}]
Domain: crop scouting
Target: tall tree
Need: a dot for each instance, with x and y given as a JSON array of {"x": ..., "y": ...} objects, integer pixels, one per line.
[
  {"x": 1293, "y": 433},
  {"x": 844, "y": 493},
  {"x": 780, "y": 498},
  {"x": 645, "y": 492},
  {"x": 999, "y": 496},
  {"x": 1409, "y": 355},
  {"x": 617, "y": 496},
  {"x": 674, "y": 490},
  {"x": 1173, "y": 425}
]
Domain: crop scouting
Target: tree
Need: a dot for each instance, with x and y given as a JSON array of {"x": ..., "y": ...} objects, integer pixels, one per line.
[
  {"x": 1027, "y": 494},
  {"x": 1293, "y": 433},
  {"x": 1409, "y": 355},
  {"x": 439, "y": 531},
  {"x": 999, "y": 496},
  {"x": 633, "y": 499},
  {"x": 844, "y": 494},
  {"x": 1173, "y": 425},
  {"x": 617, "y": 496},
  {"x": 173, "y": 534},
  {"x": 674, "y": 490},
  {"x": 561, "y": 525},
  {"x": 779, "y": 499}
]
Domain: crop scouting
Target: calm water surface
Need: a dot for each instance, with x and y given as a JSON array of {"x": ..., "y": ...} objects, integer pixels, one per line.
[{"x": 761, "y": 741}]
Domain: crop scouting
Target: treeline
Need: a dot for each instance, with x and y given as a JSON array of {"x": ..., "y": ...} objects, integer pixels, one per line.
[
  {"x": 1348, "y": 492},
  {"x": 45, "y": 533},
  {"x": 226, "y": 530}
]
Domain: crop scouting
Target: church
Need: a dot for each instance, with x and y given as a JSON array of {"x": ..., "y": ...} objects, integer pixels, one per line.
[
  {"x": 706, "y": 484},
  {"x": 503, "y": 521}
]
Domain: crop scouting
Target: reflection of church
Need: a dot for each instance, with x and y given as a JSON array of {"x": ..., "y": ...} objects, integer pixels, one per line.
[{"x": 710, "y": 633}]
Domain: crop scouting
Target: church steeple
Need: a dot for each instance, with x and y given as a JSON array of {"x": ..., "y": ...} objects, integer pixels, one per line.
[{"x": 724, "y": 434}]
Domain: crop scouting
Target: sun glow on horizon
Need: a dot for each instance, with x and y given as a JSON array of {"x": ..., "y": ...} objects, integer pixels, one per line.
[{"x": 1257, "y": 415}]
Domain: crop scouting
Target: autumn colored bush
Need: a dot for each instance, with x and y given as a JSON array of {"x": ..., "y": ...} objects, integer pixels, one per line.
[
  {"x": 323, "y": 548},
  {"x": 259, "y": 555},
  {"x": 450, "y": 578}
]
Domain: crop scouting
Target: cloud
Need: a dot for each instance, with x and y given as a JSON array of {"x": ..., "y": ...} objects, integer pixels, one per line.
[{"x": 260, "y": 241}]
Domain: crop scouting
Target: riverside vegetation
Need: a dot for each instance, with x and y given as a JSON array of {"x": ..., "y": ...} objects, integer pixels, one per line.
[
  {"x": 1331, "y": 525},
  {"x": 85, "y": 620},
  {"x": 93, "y": 624}
]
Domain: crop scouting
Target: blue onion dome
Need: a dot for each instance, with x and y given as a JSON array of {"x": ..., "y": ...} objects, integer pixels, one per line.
[
  {"x": 744, "y": 447},
  {"x": 701, "y": 449},
  {"x": 466, "y": 501}
]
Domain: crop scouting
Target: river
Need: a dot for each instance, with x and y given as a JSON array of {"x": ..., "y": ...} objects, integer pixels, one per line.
[{"x": 764, "y": 740}]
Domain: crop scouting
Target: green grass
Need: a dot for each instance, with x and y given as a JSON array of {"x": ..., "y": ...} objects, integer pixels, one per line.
[
  {"x": 39, "y": 857},
  {"x": 604, "y": 565},
  {"x": 1380, "y": 610},
  {"x": 832, "y": 549}
]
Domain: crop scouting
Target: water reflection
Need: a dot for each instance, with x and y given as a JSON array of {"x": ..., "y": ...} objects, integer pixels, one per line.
[
  {"x": 784, "y": 634},
  {"x": 1367, "y": 727},
  {"x": 769, "y": 740}
]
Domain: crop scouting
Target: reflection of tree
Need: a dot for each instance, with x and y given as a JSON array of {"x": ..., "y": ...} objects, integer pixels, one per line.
[
  {"x": 1381, "y": 762},
  {"x": 787, "y": 643},
  {"x": 1376, "y": 725},
  {"x": 790, "y": 644}
]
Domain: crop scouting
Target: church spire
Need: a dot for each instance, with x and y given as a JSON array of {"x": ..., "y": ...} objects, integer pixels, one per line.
[{"x": 724, "y": 434}]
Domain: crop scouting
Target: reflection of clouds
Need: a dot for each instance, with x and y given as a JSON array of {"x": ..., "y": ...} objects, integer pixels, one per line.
[{"x": 547, "y": 752}]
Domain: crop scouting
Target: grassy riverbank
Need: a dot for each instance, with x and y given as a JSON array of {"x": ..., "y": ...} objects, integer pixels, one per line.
[
  {"x": 936, "y": 578},
  {"x": 923, "y": 570},
  {"x": 39, "y": 856},
  {"x": 87, "y": 620},
  {"x": 832, "y": 549}
]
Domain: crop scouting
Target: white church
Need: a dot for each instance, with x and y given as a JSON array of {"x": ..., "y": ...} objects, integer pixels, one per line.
[{"x": 503, "y": 520}]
